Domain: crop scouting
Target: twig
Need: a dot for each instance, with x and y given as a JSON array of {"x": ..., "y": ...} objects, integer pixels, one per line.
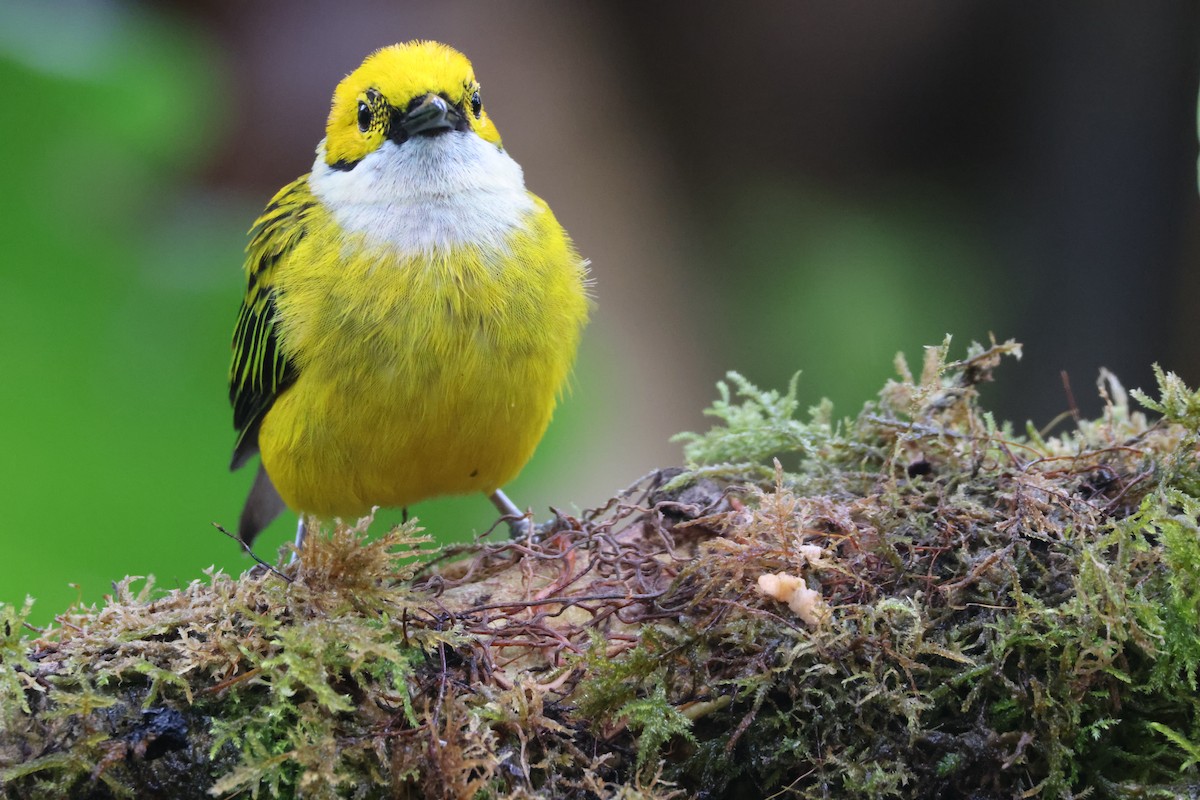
[
  {"x": 251, "y": 553},
  {"x": 1074, "y": 408}
]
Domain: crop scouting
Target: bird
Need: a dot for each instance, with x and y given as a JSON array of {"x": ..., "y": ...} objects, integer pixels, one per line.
[{"x": 411, "y": 311}]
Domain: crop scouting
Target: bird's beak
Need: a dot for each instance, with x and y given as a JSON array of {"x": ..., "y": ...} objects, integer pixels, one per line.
[{"x": 428, "y": 116}]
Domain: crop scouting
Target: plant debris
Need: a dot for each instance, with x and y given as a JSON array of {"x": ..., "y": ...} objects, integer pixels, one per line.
[{"x": 924, "y": 604}]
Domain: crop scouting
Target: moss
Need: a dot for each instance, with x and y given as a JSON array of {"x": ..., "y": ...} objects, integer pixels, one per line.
[{"x": 965, "y": 611}]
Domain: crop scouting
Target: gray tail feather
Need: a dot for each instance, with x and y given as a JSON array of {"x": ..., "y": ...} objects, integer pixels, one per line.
[{"x": 262, "y": 506}]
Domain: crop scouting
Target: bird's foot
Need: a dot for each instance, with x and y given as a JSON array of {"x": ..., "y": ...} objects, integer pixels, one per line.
[
  {"x": 520, "y": 523},
  {"x": 522, "y": 528}
]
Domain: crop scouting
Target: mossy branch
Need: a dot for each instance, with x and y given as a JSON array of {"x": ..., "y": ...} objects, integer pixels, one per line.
[{"x": 924, "y": 603}]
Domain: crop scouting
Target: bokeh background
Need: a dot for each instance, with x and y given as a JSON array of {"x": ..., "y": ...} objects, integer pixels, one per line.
[{"x": 760, "y": 186}]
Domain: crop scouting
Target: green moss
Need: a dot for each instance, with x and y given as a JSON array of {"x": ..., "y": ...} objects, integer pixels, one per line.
[
  {"x": 916, "y": 601},
  {"x": 14, "y": 662},
  {"x": 1010, "y": 602}
]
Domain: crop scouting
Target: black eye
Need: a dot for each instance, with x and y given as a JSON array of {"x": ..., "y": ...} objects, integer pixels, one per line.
[
  {"x": 364, "y": 116},
  {"x": 476, "y": 105}
]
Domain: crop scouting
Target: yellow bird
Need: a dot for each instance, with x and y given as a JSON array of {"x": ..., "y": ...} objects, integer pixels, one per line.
[{"x": 412, "y": 311}]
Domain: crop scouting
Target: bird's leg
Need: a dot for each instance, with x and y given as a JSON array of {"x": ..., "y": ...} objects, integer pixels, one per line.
[
  {"x": 519, "y": 526},
  {"x": 301, "y": 532}
]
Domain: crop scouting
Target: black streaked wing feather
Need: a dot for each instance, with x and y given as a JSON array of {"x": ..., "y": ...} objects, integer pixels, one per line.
[{"x": 260, "y": 368}]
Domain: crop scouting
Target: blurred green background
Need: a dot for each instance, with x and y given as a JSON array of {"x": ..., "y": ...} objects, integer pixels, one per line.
[{"x": 767, "y": 187}]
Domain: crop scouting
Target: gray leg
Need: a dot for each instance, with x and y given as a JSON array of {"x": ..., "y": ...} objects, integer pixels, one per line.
[
  {"x": 301, "y": 532},
  {"x": 504, "y": 505},
  {"x": 518, "y": 525}
]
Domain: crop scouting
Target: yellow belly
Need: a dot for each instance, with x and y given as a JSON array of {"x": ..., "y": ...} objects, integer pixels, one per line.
[{"x": 418, "y": 376}]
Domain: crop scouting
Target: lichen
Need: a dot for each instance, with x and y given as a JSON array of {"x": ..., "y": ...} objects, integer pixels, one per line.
[{"x": 993, "y": 614}]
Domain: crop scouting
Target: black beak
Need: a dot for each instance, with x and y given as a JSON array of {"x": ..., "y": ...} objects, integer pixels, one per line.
[{"x": 427, "y": 116}]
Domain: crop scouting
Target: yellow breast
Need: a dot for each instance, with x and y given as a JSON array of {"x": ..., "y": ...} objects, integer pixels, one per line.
[{"x": 418, "y": 374}]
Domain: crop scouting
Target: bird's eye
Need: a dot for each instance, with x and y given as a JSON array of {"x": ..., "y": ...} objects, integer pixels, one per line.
[
  {"x": 476, "y": 105},
  {"x": 364, "y": 116}
]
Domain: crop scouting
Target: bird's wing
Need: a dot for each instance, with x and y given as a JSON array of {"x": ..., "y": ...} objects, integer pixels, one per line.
[{"x": 261, "y": 368}]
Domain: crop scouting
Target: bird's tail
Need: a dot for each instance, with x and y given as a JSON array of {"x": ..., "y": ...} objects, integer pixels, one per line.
[{"x": 262, "y": 506}]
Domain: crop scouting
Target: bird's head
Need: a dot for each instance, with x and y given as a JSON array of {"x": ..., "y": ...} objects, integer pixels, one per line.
[
  {"x": 416, "y": 89},
  {"x": 410, "y": 158}
]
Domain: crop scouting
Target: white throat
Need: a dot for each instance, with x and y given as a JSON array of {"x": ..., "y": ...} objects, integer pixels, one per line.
[{"x": 428, "y": 194}]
